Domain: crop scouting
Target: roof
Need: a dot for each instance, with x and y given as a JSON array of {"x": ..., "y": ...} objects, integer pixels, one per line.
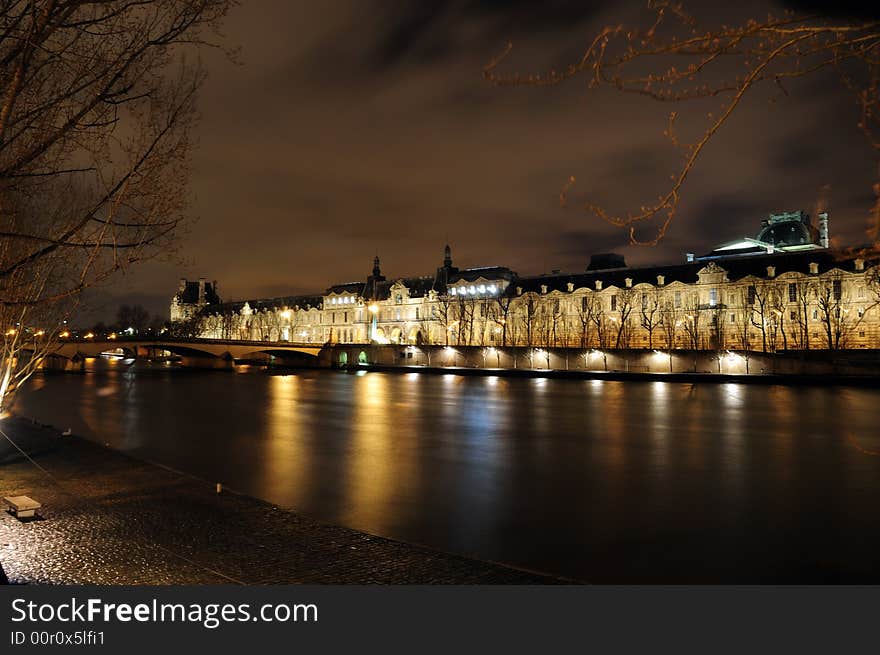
[
  {"x": 737, "y": 268},
  {"x": 281, "y": 302}
]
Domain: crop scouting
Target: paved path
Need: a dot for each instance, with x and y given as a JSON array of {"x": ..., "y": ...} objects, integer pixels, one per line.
[{"x": 111, "y": 519}]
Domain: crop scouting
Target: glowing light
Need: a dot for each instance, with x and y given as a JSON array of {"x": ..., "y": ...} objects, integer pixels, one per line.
[
  {"x": 10, "y": 332},
  {"x": 472, "y": 289},
  {"x": 374, "y": 308},
  {"x": 112, "y": 335},
  {"x": 734, "y": 357},
  {"x": 285, "y": 314},
  {"x": 89, "y": 336},
  {"x": 452, "y": 291},
  {"x": 492, "y": 288},
  {"x": 482, "y": 288},
  {"x": 39, "y": 333},
  {"x": 64, "y": 334}
]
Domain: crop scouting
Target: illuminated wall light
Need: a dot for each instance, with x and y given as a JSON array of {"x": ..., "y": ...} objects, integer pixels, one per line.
[
  {"x": 452, "y": 291},
  {"x": 482, "y": 288},
  {"x": 492, "y": 288}
]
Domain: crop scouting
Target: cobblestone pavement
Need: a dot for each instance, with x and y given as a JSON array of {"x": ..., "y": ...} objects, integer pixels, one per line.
[{"x": 111, "y": 519}]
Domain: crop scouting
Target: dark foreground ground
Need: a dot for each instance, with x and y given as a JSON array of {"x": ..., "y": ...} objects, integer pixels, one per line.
[{"x": 111, "y": 519}]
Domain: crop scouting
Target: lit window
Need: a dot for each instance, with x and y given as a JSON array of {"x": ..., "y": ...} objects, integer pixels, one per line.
[
  {"x": 482, "y": 288},
  {"x": 452, "y": 291},
  {"x": 492, "y": 288},
  {"x": 472, "y": 289},
  {"x": 713, "y": 297}
]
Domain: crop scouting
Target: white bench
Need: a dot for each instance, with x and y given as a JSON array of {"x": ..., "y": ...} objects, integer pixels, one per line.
[{"x": 22, "y": 507}]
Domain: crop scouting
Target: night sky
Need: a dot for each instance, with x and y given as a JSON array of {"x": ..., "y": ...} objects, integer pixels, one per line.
[{"x": 359, "y": 127}]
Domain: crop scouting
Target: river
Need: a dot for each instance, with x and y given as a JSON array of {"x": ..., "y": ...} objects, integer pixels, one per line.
[{"x": 600, "y": 481}]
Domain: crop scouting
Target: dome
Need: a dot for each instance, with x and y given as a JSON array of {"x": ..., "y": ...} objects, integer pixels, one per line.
[{"x": 788, "y": 233}]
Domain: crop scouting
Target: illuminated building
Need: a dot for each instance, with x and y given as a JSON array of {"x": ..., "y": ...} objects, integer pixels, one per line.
[{"x": 784, "y": 289}]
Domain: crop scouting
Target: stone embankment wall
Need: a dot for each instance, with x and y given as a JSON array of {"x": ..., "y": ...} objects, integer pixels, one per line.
[{"x": 817, "y": 362}]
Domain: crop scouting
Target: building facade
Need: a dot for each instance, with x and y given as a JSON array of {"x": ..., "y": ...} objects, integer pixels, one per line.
[{"x": 782, "y": 290}]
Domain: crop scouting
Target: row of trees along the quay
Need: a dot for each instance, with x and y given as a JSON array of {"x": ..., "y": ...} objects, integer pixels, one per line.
[
  {"x": 672, "y": 58},
  {"x": 97, "y": 107}
]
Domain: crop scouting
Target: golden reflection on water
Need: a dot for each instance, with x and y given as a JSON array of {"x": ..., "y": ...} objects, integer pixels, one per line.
[
  {"x": 378, "y": 423},
  {"x": 287, "y": 456}
]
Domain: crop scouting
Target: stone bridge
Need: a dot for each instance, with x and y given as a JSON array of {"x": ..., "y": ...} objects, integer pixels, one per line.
[{"x": 202, "y": 353}]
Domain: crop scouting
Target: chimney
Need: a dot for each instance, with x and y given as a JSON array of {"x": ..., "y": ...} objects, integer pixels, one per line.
[
  {"x": 823, "y": 229},
  {"x": 202, "y": 290},
  {"x": 543, "y": 288},
  {"x": 598, "y": 285},
  {"x": 814, "y": 268},
  {"x": 182, "y": 286},
  {"x": 661, "y": 280},
  {"x": 629, "y": 282},
  {"x": 570, "y": 287},
  {"x": 860, "y": 264},
  {"x": 771, "y": 271}
]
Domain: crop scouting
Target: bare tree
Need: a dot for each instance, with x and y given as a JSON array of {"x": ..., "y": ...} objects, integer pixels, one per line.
[
  {"x": 650, "y": 314},
  {"x": 671, "y": 57},
  {"x": 624, "y": 308},
  {"x": 96, "y": 117},
  {"x": 800, "y": 294},
  {"x": 831, "y": 301},
  {"x": 502, "y": 316}
]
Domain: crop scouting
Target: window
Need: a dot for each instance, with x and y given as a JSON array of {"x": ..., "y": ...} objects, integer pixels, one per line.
[
  {"x": 837, "y": 289},
  {"x": 678, "y": 298},
  {"x": 644, "y": 301},
  {"x": 732, "y": 317},
  {"x": 556, "y": 306},
  {"x": 398, "y": 299},
  {"x": 713, "y": 297},
  {"x": 614, "y": 303},
  {"x": 815, "y": 314},
  {"x": 792, "y": 292},
  {"x": 751, "y": 294},
  {"x": 584, "y": 304},
  {"x": 793, "y": 315},
  {"x": 861, "y": 292},
  {"x": 417, "y": 313}
]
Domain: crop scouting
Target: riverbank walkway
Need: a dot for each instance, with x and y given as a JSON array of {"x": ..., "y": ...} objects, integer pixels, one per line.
[{"x": 110, "y": 519}]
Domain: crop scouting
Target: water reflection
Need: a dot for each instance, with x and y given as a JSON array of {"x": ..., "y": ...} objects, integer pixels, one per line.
[{"x": 601, "y": 480}]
